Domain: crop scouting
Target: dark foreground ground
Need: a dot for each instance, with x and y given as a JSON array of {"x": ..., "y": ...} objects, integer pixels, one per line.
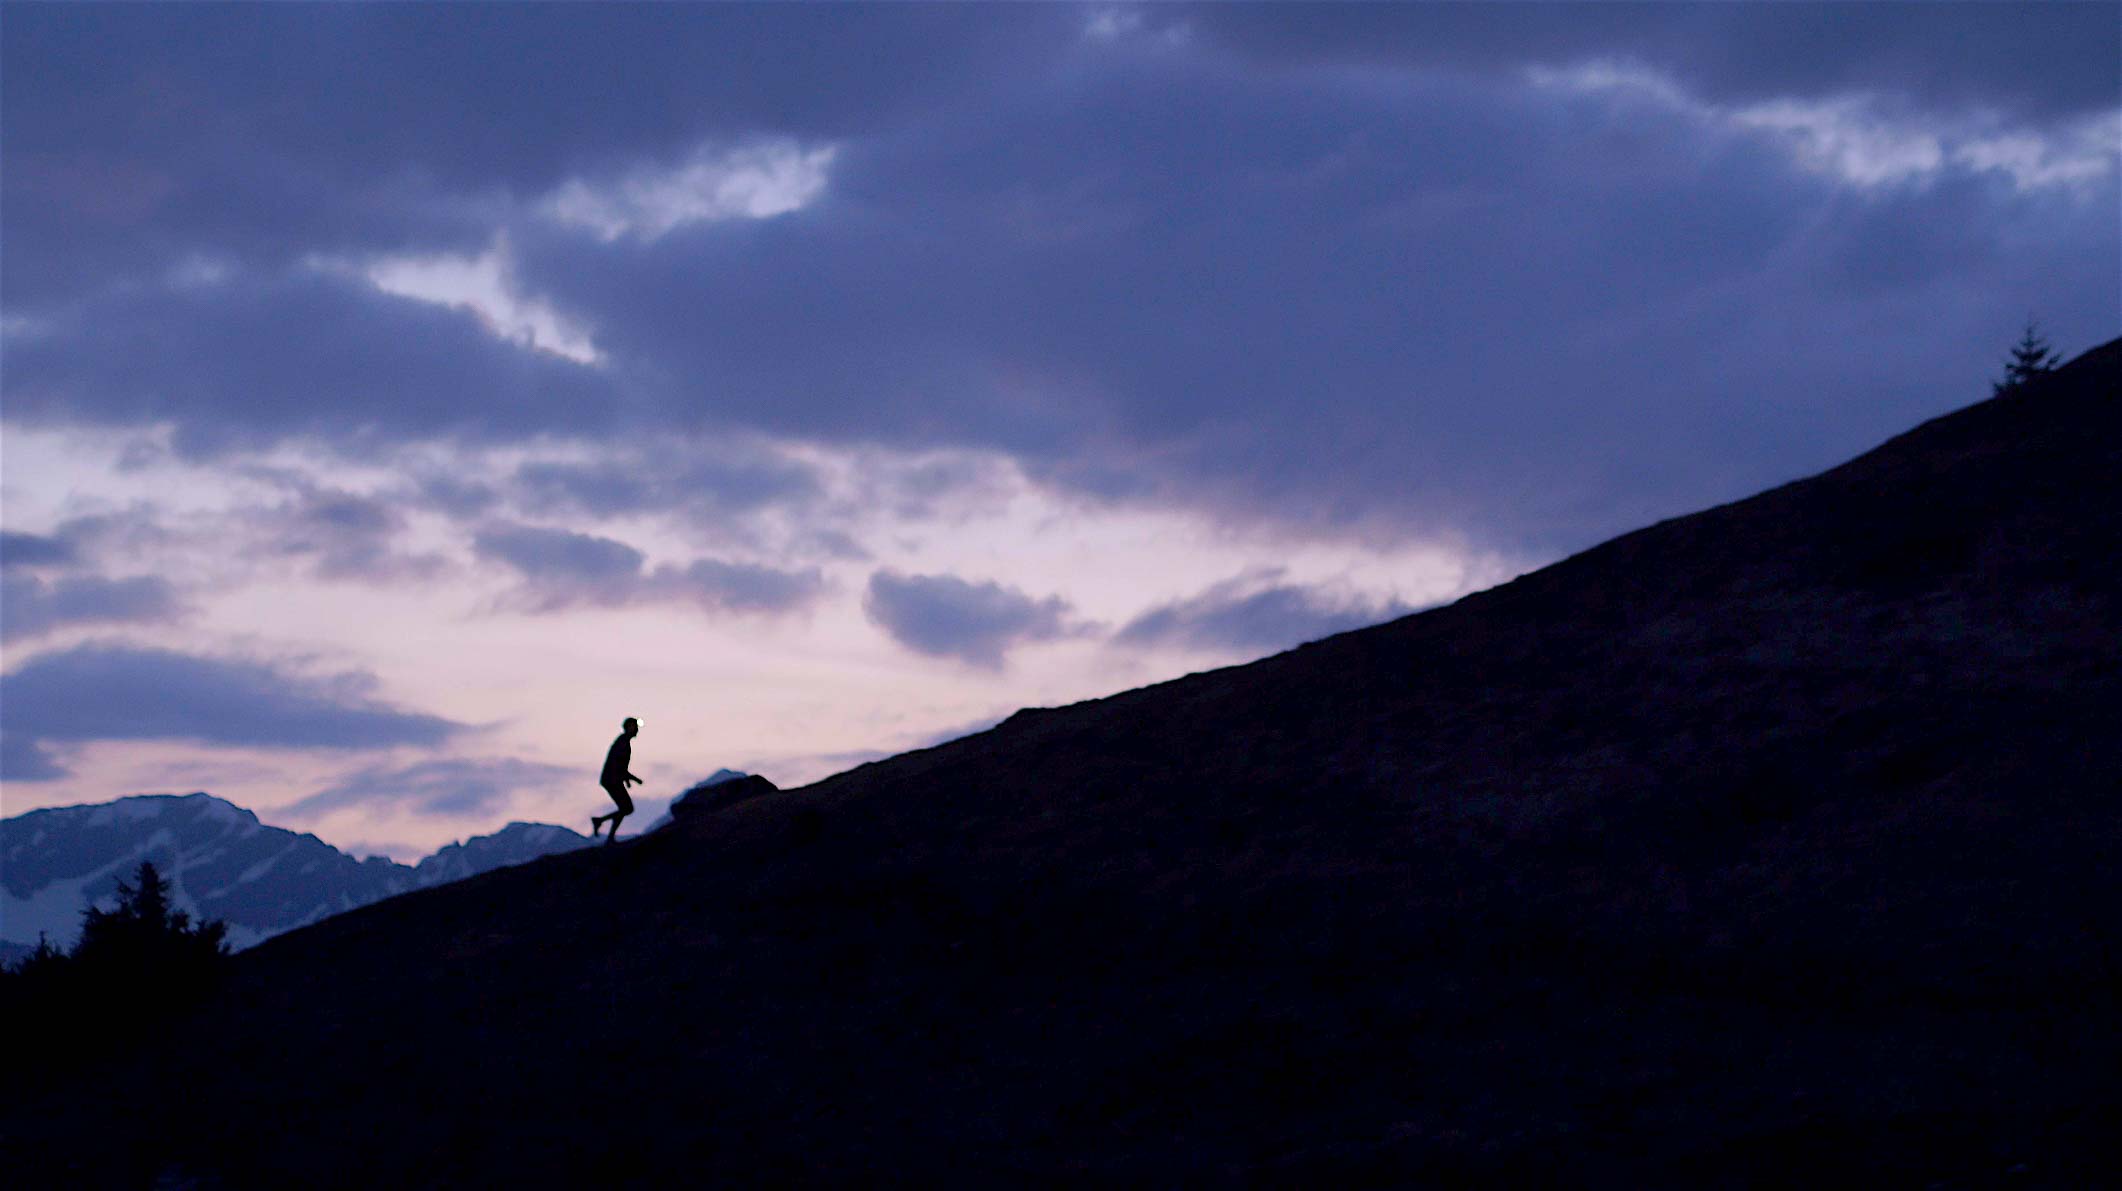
[{"x": 1779, "y": 844}]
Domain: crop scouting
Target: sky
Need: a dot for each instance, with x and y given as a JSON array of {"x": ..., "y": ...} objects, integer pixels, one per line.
[{"x": 395, "y": 397}]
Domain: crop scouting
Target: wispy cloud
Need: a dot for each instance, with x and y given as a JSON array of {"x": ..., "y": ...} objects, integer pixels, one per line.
[
  {"x": 445, "y": 788},
  {"x": 486, "y": 284},
  {"x": 1860, "y": 139},
  {"x": 345, "y": 535},
  {"x": 750, "y": 181}
]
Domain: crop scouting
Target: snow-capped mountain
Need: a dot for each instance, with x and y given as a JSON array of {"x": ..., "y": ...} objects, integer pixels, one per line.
[
  {"x": 222, "y": 863},
  {"x": 516, "y": 843}
]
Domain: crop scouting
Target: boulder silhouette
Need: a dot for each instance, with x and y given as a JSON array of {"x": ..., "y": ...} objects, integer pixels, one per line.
[{"x": 704, "y": 798}]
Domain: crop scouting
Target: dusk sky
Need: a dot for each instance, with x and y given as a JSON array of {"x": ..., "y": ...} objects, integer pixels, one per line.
[{"x": 395, "y": 397}]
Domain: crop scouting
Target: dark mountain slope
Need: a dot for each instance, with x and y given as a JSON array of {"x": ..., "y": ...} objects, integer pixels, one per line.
[{"x": 1770, "y": 844}]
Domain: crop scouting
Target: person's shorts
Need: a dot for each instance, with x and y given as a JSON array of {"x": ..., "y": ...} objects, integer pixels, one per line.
[{"x": 619, "y": 795}]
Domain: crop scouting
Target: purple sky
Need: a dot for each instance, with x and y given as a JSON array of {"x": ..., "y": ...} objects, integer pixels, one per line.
[{"x": 395, "y": 397}]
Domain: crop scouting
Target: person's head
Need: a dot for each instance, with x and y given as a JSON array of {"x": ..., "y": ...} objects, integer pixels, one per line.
[{"x": 631, "y": 726}]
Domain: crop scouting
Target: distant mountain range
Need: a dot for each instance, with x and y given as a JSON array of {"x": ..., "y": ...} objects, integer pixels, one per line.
[{"x": 223, "y": 863}]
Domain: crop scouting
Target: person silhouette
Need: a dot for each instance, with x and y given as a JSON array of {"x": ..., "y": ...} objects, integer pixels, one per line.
[{"x": 615, "y": 778}]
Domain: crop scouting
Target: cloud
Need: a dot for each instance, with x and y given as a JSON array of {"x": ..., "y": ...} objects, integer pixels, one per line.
[
  {"x": 100, "y": 692},
  {"x": 1862, "y": 141},
  {"x": 25, "y": 760},
  {"x": 560, "y": 556},
  {"x": 261, "y": 359},
  {"x": 563, "y": 569},
  {"x": 277, "y": 133},
  {"x": 484, "y": 283},
  {"x": 599, "y": 489},
  {"x": 112, "y": 535},
  {"x": 976, "y": 623},
  {"x": 1254, "y": 613},
  {"x": 1399, "y": 305},
  {"x": 33, "y": 550},
  {"x": 453, "y": 496},
  {"x": 1349, "y": 271},
  {"x": 347, "y": 535},
  {"x": 456, "y": 787},
  {"x": 737, "y": 587},
  {"x": 1121, "y": 23},
  {"x": 31, "y": 606},
  {"x": 756, "y": 181},
  {"x": 2039, "y": 60},
  {"x": 662, "y": 475}
]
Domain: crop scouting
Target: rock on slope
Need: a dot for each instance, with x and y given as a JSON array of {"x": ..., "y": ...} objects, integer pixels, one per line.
[
  {"x": 696, "y": 792},
  {"x": 1770, "y": 845}
]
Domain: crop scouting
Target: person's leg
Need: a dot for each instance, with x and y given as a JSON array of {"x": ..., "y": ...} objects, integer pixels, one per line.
[
  {"x": 619, "y": 798},
  {"x": 626, "y": 807}
]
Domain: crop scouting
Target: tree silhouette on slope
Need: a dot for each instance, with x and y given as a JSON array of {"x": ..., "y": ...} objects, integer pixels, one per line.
[
  {"x": 143, "y": 932},
  {"x": 137, "y": 968},
  {"x": 2030, "y": 357}
]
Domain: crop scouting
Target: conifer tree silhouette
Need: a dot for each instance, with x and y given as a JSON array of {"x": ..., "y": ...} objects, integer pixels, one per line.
[
  {"x": 137, "y": 967},
  {"x": 2030, "y": 357},
  {"x": 143, "y": 931}
]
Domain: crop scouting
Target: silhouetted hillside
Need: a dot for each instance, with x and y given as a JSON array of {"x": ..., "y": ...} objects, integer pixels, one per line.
[{"x": 1770, "y": 845}]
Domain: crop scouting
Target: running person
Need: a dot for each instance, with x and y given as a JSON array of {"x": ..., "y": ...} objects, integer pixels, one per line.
[{"x": 615, "y": 778}]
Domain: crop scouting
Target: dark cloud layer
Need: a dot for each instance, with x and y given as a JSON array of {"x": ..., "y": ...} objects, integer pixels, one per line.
[
  {"x": 33, "y": 550},
  {"x": 257, "y": 359},
  {"x": 976, "y": 623},
  {"x": 1283, "y": 270},
  {"x": 135, "y": 136},
  {"x": 2043, "y": 59},
  {"x": 31, "y": 605},
  {"x": 25, "y": 760},
  {"x": 1253, "y": 614},
  {"x": 446, "y": 788},
  {"x": 120, "y": 692},
  {"x": 1424, "y": 304}
]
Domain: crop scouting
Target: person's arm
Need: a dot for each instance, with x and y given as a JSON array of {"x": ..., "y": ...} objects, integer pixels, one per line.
[{"x": 630, "y": 777}]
